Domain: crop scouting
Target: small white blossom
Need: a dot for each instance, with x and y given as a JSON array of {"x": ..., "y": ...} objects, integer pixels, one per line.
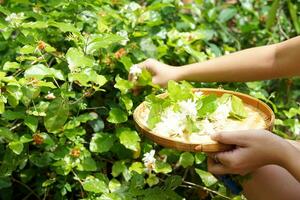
[
  {"x": 135, "y": 71},
  {"x": 188, "y": 108},
  {"x": 198, "y": 94},
  {"x": 222, "y": 112},
  {"x": 149, "y": 160},
  {"x": 15, "y": 18},
  {"x": 172, "y": 123},
  {"x": 50, "y": 96},
  {"x": 208, "y": 127},
  {"x": 123, "y": 34}
]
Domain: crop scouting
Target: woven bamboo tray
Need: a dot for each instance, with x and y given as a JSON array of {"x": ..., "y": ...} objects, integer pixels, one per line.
[{"x": 212, "y": 146}]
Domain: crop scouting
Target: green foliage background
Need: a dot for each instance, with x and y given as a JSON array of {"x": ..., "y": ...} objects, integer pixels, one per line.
[{"x": 66, "y": 128}]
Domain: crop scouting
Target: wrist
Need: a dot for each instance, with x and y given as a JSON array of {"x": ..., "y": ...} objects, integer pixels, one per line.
[
  {"x": 288, "y": 156},
  {"x": 182, "y": 73}
]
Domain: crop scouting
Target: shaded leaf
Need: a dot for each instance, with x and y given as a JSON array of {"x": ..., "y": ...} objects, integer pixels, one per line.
[
  {"x": 57, "y": 115},
  {"x": 116, "y": 116},
  {"x": 92, "y": 184},
  {"x": 101, "y": 142},
  {"x": 207, "y": 178}
]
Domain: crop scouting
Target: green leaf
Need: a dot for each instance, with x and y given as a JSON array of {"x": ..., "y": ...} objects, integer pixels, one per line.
[
  {"x": 88, "y": 76},
  {"x": 207, "y": 105},
  {"x": 5, "y": 182},
  {"x": 237, "y": 108},
  {"x": 4, "y": 10},
  {"x": 13, "y": 115},
  {"x": 2, "y": 105},
  {"x": 76, "y": 121},
  {"x": 64, "y": 27},
  {"x": 76, "y": 58},
  {"x": 40, "y": 71},
  {"x": 27, "y": 49},
  {"x": 31, "y": 122},
  {"x": 97, "y": 42},
  {"x": 9, "y": 163},
  {"x": 152, "y": 180},
  {"x": 157, "y": 107},
  {"x": 127, "y": 102},
  {"x": 129, "y": 138},
  {"x": 7, "y": 134},
  {"x": 72, "y": 134},
  {"x": 87, "y": 164},
  {"x": 179, "y": 92},
  {"x": 57, "y": 114},
  {"x": 36, "y": 24},
  {"x": 114, "y": 185},
  {"x": 48, "y": 182},
  {"x": 123, "y": 85},
  {"x": 207, "y": 178},
  {"x": 15, "y": 94},
  {"x": 137, "y": 167},
  {"x": 172, "y": 182},
  {"x": 162, "y": 167},
  {"x": 92, "y": 184},
  {"x": 227, "y": 14},
  {"x": 293, "y": 13},
  {"x": 16, "y": 147},
  {"x": 191, "y": 126},
  {"x": 186, "y": 159},
  {"x": 272, "y": 14},
  {"x": 199, "y": 158},
  {"x": 116, "y": 116},
  {"x": 40, "y": 159},
  {"x": 118, "y": 168},
  {"x": 101, "y": 142},
  {"x": 127, "y": 62},
  {"x": 11, "y": 66}
]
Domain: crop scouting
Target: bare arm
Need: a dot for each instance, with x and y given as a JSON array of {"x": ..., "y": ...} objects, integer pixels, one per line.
[
  {"x": 260, "y": 63},
  {"x": 292, "y": 162}
]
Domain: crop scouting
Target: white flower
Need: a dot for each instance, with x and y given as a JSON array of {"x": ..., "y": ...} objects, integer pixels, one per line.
[
  {"x": 149, "y": 160},
  {"x": 208, "y": 127},
  {"x": 172, "y": 123},
  {"x": 198, "y": 94},
  {"x": 15, "y": 18},
  {"x": 222, "y": 112},
  {"x": 123, "y": 34},
  {"x": 50, "y": 96},
  {"x": 188, "y": 108},
  {"x": 135, "y": 71}
]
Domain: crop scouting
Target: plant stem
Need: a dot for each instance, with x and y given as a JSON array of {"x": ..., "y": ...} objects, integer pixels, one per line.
[
  {"x": 26, "y": 186},
  {"x": 204, "y": 188}
]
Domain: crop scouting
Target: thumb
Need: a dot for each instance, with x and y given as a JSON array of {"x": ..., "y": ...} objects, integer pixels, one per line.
[{"x": 231, "y": 137}]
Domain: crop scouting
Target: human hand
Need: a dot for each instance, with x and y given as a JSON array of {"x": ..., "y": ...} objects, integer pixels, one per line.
[
  {"x": 161, "y": 73},
  {"x": 254, "y": 149}
]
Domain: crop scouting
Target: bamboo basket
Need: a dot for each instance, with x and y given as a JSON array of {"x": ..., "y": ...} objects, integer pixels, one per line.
[{"x": 212, "y": 146}]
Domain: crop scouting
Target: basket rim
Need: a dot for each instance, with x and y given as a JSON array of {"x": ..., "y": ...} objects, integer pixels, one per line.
[{"x": 269, "y": 120}]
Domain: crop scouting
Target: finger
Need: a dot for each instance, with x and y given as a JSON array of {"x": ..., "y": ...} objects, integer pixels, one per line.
[
  {"x": 130, "y": 77},
  {"x": 231, "y": 137},
  {"x": 227, "y": 158},
  {"x": 216, "y": 168},
  {"x": 148, "y": 65}
]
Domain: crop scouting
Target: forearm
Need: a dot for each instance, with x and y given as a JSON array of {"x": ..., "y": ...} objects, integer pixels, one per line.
[
  {"x": 260, "y": 63},
  {"x": 295, "y": 143},
  {"x": 292, "y": 160}
]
